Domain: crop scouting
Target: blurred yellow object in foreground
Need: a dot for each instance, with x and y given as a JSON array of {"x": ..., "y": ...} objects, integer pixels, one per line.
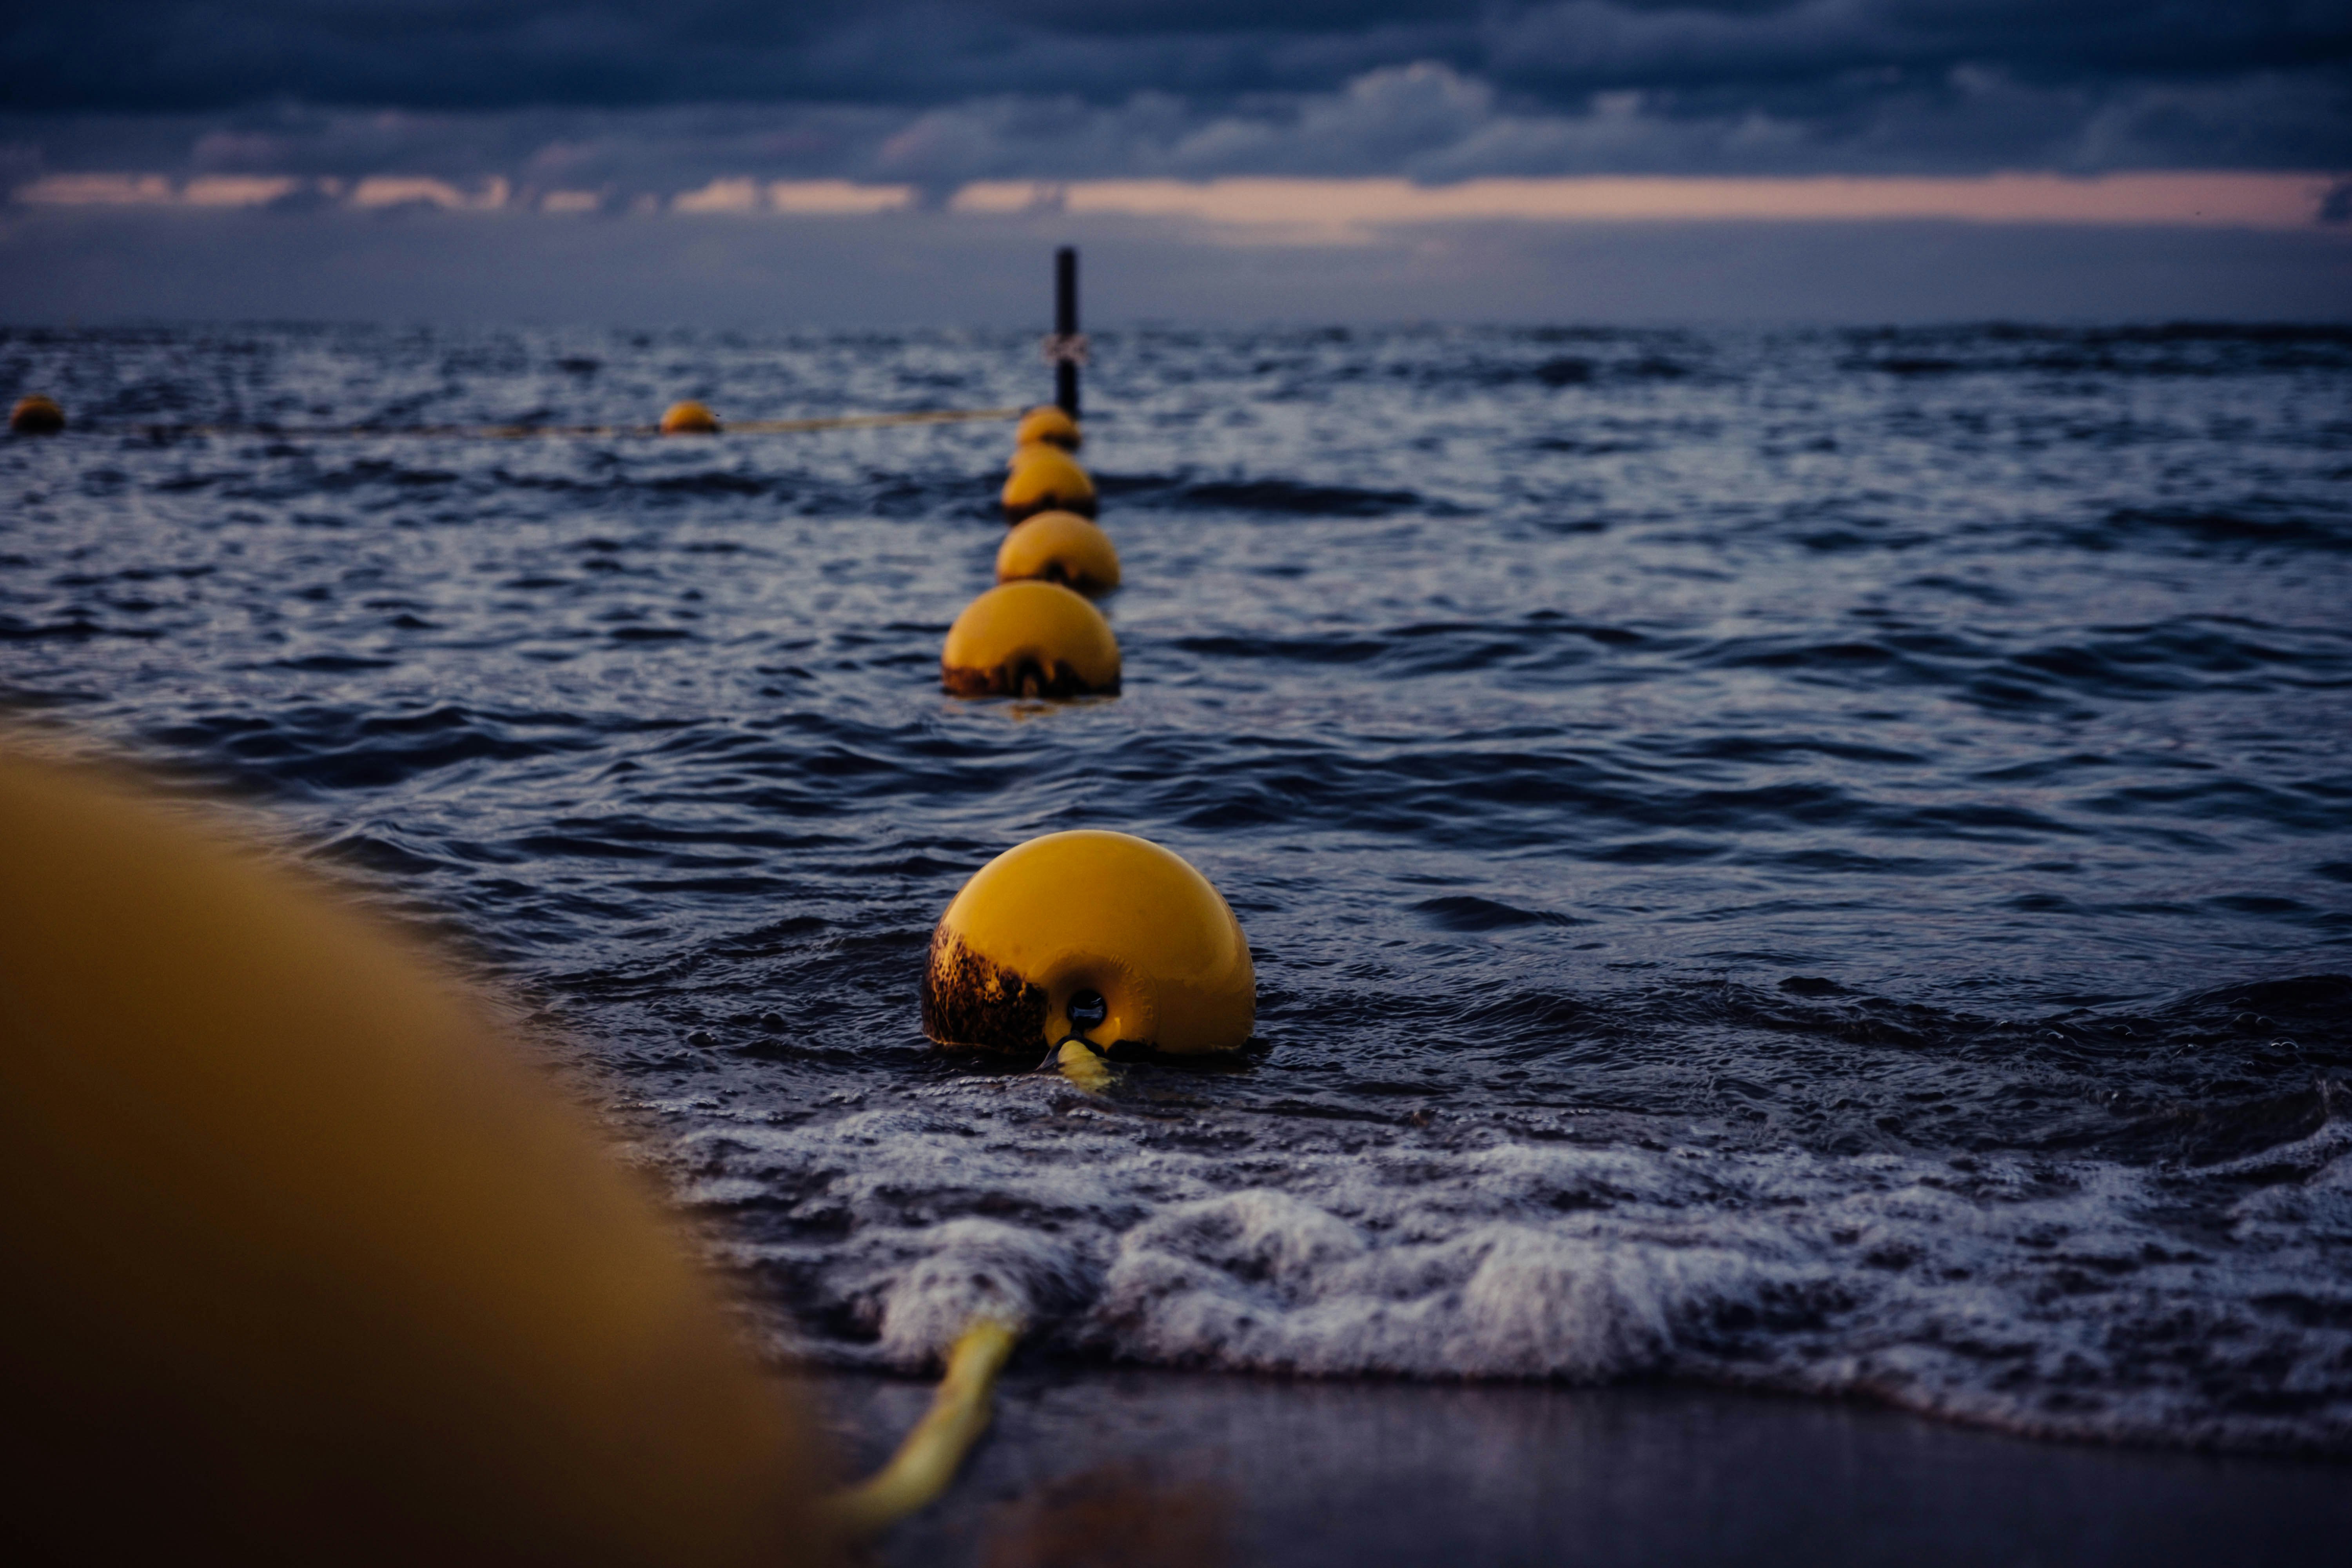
[
  {"x": 689, "y": 418},
  {"x": 303, "y": 1266}
]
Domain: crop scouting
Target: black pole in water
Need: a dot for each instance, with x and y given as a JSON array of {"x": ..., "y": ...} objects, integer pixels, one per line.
[{"x": 1065, "y": 327}]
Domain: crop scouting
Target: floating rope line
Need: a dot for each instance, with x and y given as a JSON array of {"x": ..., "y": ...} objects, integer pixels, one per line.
[
  {"x": 926, "y": 1461},
  {"x": 608, "y": 432}
]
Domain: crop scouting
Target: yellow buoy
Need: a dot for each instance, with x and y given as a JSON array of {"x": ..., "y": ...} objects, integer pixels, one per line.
[
  {"x": 1111, "y": 927},
  {"x": 304, "y": 1262},
  {"x": 1059, "y": 547},
  {"x": 1030, "y": 639},
  {"x": 1045, "y": 478},
  {"x": 36, "y": 415},
  {"x": 1048, "y": 425},
  {"x": 689, "y": 418}
]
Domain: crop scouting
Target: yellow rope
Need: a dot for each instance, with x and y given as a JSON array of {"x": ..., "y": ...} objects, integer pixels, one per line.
[
  {"x": 926, "y": 1461},
  {"x": 529, "y": 432},
  {"x": 865, "y": 421},
  {"x": 1083, "y": 1067}
]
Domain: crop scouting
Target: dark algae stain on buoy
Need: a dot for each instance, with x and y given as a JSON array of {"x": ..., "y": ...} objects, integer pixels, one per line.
[
  {"x": 1539, "y": 731},
  {"x": 971, "y": 1002}
]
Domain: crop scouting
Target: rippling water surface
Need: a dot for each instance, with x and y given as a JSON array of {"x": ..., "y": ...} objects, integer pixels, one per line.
[{"x": 1809, "y": 860}]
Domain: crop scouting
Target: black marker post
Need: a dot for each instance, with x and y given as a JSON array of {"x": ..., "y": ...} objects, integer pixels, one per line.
[{"x": 1065, "y": 348}]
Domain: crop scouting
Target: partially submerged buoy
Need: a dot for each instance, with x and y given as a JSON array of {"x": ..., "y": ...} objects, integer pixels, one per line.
[
  {"x": 304, "y": 1262},
  {"x": 1045, "y": 478},
  {"x": 1030, "y": 639},
  {"x": 1113, "y": 929},
  {"x": 689, "y": 418},
  {"x": 36, "y": 415},
  {"x": 1059, "y": 547},
  {"x": 1048, "y": 425}
]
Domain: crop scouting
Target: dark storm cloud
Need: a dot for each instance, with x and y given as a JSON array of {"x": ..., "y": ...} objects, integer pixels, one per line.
[
  {"x": 628, "y": 100},
  {"x": 490, "y": 54}
]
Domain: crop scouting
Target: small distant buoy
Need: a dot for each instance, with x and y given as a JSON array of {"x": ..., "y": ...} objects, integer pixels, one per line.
[
  {"x": 36, "y": 415},
  {"x": 1030, "y": 639},
  {"x": 1045, "y": 478},
  {"x": 1059, "y": 547},
  {"x": 1125, "y": 934},
  {"x": 689, "y": 418},
  {"x": 1048, "y": 425}
]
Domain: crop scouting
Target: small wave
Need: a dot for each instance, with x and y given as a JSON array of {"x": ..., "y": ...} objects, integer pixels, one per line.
[
  {"x": 1467, "y": 912},
  {"x": 2188, "y": 349},
  {"x": 2218, "y": 530},
  {"x": 1505, "y": 1260},
  {"x": 1278, "y": 496}
]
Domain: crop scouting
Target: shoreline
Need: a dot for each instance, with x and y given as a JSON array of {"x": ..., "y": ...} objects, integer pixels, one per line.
[{"x": 1145, "y": 1468}]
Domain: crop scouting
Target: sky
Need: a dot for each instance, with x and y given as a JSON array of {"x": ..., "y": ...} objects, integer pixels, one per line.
[{"x": 721, "y": 162}]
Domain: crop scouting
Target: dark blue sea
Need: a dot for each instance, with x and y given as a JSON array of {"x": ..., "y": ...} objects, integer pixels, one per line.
[{"x": 1814, "y": 860}]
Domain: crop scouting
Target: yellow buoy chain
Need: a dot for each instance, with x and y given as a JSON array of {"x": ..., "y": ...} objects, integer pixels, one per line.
[{"x": 540, "y": 432}]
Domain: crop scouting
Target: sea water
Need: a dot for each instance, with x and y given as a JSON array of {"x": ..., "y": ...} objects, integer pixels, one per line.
[{"x": 1818, "y": 860}]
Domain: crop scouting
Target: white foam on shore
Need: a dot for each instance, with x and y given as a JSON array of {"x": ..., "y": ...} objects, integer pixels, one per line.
[{"x": 2073, "y": 1298}]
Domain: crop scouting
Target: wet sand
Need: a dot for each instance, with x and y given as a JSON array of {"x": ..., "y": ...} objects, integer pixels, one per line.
[{"x": 1128, "y": 1468}]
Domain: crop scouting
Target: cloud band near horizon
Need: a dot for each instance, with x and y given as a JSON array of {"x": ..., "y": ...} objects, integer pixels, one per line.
[
  {"x": 1279, "y": 209},
  {"x": 2165, "y": 154}
]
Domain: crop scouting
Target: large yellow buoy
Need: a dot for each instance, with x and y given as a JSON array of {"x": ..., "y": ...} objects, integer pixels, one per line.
[
  {"x": 689, "y": 418},
  {"x": 305, "y": 1264},
  {"x": 1045, "y": 478},
  {"x": 1111, "y": 927},
  {"x": 1048, "y": 425},
  {"x": 1059, "y": 547},
  {"x": 1030, "y": 639},
  {"x": 36, "y": 415}
]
